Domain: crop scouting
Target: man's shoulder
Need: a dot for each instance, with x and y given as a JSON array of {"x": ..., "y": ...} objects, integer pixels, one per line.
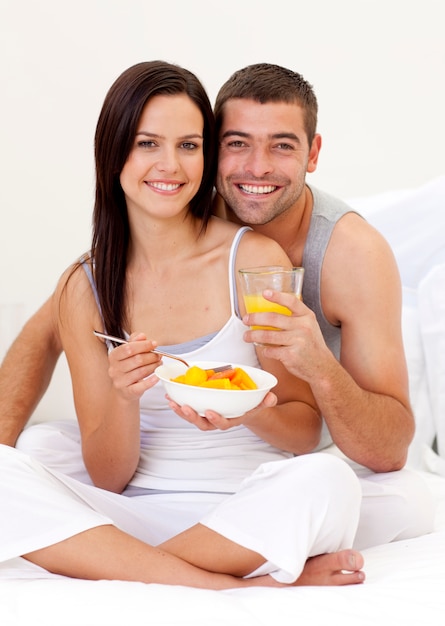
[{"x": 327, "y": 205}]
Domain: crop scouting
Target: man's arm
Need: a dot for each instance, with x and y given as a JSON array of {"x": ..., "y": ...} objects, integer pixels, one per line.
[
  {"x": 367, "y": 398},
  {"x": 364, "y": 397},
  {"x": 26, "y": 372}
]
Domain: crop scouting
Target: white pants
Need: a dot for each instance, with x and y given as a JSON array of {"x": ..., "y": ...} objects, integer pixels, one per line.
[
  {"x": 395, "y": 505},
  {"x": 286, "y": 511}
]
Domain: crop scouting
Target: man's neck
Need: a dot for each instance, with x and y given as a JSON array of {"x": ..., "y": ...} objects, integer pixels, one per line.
[{"x": 290, "y": 229}]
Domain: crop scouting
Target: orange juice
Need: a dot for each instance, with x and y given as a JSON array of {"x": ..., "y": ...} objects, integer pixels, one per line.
[
  {"x": 255, "y": 280},
  {"x": 256, "y": 303}
]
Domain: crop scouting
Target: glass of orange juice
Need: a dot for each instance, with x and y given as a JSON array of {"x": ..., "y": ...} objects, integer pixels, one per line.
[{"x": 255, "y": 280}]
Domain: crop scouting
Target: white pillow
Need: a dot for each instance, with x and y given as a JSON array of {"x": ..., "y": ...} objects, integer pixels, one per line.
[
  {"x": 431, "y": 295},
  {"x": 413, "y": 223},
  {"x": 418, "y": 380}
]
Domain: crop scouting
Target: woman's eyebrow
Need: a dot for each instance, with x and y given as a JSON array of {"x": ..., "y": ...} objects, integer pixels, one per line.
[{"x": 147, "y": 133}]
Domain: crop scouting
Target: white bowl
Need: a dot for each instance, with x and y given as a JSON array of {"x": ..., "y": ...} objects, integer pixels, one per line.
[{"x": 226, "y": 402}]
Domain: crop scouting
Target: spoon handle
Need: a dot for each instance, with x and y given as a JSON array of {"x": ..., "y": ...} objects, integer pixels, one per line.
[
  {"x": 119, "y": 340},
  {"x": 109, "y": 337},
  {"x": 221, "y": 368}
]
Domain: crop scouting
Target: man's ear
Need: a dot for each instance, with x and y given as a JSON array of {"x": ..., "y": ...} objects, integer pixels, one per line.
[{"x": 313, "y": 154}]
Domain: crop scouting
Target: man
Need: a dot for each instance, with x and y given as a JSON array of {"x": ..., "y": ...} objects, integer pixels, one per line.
[
  {"x": 344, "y": 339},
  {"x": 266, "y": 148}
]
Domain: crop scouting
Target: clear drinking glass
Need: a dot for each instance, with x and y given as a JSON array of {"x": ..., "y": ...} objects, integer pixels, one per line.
[{"x": 255, "y": 280}]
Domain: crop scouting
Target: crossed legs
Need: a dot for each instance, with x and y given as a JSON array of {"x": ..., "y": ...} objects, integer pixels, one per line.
[
  {"x": 198, "y": 557},
  {"x": 285, "y": 512}
]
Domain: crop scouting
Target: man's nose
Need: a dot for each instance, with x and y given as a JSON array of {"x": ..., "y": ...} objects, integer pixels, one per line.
[{"x": 259, "y": 162}]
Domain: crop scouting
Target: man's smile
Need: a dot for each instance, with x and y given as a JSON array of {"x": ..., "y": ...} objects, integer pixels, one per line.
[{"x": 257, "y": 189}]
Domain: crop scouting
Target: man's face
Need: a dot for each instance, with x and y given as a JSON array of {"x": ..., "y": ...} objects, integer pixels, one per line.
[{"x": 263, "y": 158}]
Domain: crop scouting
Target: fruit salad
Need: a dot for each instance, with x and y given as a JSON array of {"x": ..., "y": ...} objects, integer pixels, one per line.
[{"x": 233, "y": 378}]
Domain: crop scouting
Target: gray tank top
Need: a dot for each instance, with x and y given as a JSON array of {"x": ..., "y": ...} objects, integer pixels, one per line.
[{"x": 326, "y": 212}]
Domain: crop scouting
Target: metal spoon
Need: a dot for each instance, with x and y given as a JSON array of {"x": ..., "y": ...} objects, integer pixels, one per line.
[
  {"x": 170, "y": 356},
  {"x": 119, "y": 340}
]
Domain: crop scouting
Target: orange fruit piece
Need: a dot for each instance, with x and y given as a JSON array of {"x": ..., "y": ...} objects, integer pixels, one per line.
[
  {"x": 229, "y": 373},
  {"x": 195, "y": 376},
  {"x": 218, "y": 383},
  {"x": 243, "y": 380}
]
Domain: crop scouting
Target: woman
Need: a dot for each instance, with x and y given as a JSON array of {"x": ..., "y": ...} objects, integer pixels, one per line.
[{"x": 162, "y": 272}]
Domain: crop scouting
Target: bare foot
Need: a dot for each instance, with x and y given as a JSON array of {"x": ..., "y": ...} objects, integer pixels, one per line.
[{"x": 336, "y": 568}]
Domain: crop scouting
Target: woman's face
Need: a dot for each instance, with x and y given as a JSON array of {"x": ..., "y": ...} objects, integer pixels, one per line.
[{"x": 164, "y": 169}]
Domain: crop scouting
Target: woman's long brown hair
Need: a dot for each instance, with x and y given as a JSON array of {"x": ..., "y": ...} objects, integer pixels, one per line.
[{"x": 114, "y": 139}]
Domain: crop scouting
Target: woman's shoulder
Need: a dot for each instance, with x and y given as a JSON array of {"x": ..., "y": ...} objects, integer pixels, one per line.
[
  {"x": 221, "y": 231},
  {"x": 220, "y": 224},
  {"x": 74, "y": 301},
  {"x": 261, "y": 250},
  {"x": 73, "y": 284},
  {"x": 225, "y": 227},
  {"x": 256, "y": 249}
]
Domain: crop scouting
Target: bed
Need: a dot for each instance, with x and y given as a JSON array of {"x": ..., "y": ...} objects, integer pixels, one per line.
[{"x": 405, "y": 580}]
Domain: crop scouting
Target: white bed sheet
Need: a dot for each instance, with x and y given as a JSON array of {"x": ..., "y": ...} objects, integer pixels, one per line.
[{"x": 405, "y": 585}]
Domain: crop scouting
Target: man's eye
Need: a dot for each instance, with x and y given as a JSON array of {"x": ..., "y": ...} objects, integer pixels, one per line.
[
  {"x": 236, "y": 144},
  {"x": 285, "y": 146}
]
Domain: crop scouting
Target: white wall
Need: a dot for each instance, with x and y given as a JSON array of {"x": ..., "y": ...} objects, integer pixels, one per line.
[{"x": 377, "y": 67}]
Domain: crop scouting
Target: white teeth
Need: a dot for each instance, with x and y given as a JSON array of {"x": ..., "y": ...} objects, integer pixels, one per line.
[
  {"x": 258, "y": 189},
  {"x": 165, "y": 186}
]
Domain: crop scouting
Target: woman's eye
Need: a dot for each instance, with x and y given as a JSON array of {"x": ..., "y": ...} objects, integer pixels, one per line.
[
  {"x": 188, "y": 145},
  {"x": 146, "y": 144}
]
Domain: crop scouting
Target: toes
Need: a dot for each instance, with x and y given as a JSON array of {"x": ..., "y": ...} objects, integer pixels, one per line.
[
  {"x": 337, "y": 568},
  {"x": 348, "y": 560},
  {"x": 350, "y": 578}
]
